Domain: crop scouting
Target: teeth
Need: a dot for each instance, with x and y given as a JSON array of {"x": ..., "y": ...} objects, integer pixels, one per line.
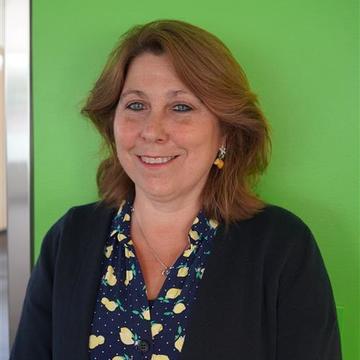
[{"x": 156, "y": 160}]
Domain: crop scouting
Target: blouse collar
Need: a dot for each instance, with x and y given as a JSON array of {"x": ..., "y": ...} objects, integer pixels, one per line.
[{"x": 200, "y": 230}]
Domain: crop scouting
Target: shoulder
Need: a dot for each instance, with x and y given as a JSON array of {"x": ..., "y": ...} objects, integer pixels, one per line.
[
  {"x": 90, "y": 210},
  {"x": 77, "y": 223},
  {"x": 84, "y": 215},
  {"x": 273, "y": 218},
  {"x": 274, "y": 234}
]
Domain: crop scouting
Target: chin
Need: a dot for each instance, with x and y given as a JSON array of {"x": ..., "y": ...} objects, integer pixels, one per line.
[
  {"x": 156, "y": 190},
  {"x": 159, "y": 192}
]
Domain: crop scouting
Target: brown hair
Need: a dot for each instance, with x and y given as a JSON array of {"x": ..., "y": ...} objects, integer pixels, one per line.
[{"x": 208, "y": 69}]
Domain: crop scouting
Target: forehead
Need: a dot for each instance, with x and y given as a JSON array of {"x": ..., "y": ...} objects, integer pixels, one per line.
[
  {"x": 150, "y": 69},
  {"x": 154, "y": 76}
]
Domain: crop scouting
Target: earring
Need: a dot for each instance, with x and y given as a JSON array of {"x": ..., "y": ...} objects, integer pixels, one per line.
[{"x": 219, "y": 161}]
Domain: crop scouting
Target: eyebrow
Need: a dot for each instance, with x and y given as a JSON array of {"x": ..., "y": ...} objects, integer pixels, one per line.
[{"x": 169, "y": 94}]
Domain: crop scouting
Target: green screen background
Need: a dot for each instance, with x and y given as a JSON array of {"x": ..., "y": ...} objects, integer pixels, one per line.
[{"x": 301, "y": 58}]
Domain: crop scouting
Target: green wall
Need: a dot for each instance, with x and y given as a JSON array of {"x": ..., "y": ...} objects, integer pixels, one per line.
[{"x": 301, "y": 58}]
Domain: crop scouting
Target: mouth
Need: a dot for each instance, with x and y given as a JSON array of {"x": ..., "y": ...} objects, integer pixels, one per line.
[{"x": 156, "y": 160}]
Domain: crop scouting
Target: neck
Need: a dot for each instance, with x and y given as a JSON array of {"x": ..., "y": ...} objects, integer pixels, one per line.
[{"x": 160, "y": 215}]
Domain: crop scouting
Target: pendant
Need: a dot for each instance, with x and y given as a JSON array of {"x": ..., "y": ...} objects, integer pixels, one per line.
[{"x": 166, "y": 272}]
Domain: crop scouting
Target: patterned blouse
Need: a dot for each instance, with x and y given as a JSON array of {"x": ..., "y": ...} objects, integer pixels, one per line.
[{"x": 126, "y": 325}]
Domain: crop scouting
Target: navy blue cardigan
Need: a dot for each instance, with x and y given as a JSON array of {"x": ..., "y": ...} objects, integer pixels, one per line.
[{"x": 265, "y": 294}]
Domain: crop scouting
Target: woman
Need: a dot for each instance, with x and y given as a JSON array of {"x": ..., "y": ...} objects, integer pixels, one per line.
[{"x": 180, "y": 259}]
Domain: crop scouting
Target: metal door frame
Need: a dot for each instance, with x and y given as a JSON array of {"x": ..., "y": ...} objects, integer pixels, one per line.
[{"x": 17, "y": 105}]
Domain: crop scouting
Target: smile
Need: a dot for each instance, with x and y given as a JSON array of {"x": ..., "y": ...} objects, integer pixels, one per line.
[{"x": 156, "y": 160}]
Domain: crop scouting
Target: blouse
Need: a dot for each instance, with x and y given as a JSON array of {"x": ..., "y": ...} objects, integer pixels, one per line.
[{"x": 126, "y": 325}]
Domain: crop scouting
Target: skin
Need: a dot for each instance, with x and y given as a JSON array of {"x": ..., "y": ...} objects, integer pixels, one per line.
[{"x": 158, "y": 116}]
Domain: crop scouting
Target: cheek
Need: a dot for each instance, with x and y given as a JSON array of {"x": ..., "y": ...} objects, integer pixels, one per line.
[
  {"x": 125, "y": 133},
  {"x": 205, "y": 139}
]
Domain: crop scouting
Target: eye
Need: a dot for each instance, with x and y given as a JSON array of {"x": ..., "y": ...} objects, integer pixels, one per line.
[
  {"x": 135, "y": 106},
  {"x": 182, "y": 108}
]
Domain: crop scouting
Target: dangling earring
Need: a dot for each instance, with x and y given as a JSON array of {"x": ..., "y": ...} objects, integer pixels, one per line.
[{"x": 219, "y": 161}]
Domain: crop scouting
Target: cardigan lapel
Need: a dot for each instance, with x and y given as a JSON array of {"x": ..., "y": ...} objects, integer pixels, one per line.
[
  {"x": 91, "y": 234},
  {"x": 219, "y": 327},
  {"x": 200, "y": 324}
]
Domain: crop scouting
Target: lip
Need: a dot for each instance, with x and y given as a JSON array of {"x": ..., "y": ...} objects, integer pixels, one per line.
[
  {"x": 156, "y": 166},
  {"x": 156, "y": 156}
]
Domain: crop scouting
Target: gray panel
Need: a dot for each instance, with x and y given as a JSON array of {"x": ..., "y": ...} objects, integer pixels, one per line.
[
  {"x": 17, "y": 122},
  {"x": 4, "y": 320},
  {"x": 4, "y": 314}
]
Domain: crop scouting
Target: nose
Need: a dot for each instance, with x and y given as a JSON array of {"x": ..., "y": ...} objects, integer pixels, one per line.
[{"x": 154, "y": 128}]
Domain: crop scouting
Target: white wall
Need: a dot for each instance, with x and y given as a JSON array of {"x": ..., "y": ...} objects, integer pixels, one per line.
[{"x": 2, "y": 126}]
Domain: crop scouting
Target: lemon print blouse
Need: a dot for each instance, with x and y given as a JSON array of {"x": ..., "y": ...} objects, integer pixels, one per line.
[{"x": 126, "y": 325}]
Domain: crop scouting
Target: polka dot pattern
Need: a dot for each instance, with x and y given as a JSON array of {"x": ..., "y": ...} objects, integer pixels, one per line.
[{"x": 126, "y": 325}]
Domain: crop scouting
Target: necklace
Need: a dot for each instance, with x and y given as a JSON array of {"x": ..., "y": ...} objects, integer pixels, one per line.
[{"x": 167, "y": 269}]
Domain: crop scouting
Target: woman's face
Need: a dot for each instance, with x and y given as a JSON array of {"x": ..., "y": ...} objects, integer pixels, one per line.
[{"x": 166, "y": 139}]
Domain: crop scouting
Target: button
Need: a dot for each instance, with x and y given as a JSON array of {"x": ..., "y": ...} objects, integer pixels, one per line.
[{"x": 143, "y": 346}]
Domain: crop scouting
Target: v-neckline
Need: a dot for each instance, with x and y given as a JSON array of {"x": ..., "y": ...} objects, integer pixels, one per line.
[{"x": 162, "y": 292}]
